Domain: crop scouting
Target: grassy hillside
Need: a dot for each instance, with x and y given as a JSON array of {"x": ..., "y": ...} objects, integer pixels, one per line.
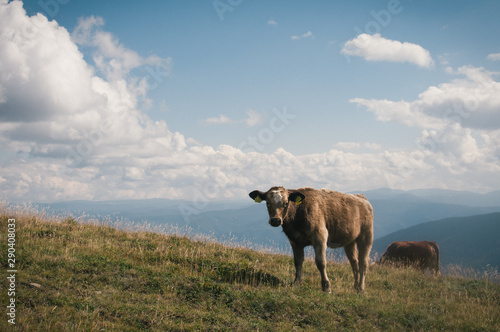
[
  {"x": 467, "y": 241},
  {"x": 74, "y": 276}
]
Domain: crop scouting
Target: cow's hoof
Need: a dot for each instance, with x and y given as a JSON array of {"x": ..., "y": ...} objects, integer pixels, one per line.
[{"x": 359, "y": 289}]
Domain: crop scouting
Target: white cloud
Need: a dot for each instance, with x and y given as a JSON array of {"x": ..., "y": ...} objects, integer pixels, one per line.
[
  {"x": 272, "y": 22},
  {"x": 308, "y": 34},
  {"x": 444, "y": 59},
  {"x": 494, "y": 57},
  {"x": 459, "y": 122},
  {"x": 253, "y": 118},
  {"x": 356, "y": 145},
  {"x": 30, "y": 63},
  {"x": 163, "y": 106},
  {"x": 472, "y": 101},
  {"x": 111, "y": 58},
  {"x": 221, "y": 119},
  {"x": 376, "y": 48}
]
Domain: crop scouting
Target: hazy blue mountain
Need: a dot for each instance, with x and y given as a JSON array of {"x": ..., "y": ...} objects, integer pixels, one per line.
[
  {"x": 445, "y": 196},
  {"x": 246, "y": 225},
  {"x": 397, "y": 209},
  {"x": 471, "y": 241},
  {"x": 152, "y": 210},
  {"x": 393, "y": 214}
]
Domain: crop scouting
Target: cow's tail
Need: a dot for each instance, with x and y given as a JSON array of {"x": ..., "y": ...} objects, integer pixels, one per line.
[{"x": 436, "y": 250}]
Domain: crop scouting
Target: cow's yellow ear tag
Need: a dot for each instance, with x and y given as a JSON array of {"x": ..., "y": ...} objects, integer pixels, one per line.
[
  {"x": 258, "y": 199},
  {"x": 298, "y": 200}
]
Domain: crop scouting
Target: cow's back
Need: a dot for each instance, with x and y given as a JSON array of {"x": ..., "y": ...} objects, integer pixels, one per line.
[
  {"x": 345, "y": 216},
  {"x": 423, "y": 254}
]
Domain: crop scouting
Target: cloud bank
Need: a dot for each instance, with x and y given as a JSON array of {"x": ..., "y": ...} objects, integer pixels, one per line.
[
  {"x": 71, "y": 129},
  {"x": 376, "y": 48}
]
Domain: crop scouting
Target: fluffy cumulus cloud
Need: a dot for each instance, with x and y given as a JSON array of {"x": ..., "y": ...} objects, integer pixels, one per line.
[
  {"x": 64, "y": 121},
  {"x": 459, "y": 123},
  {"x": 111, "y": 58},
  {"x": 72, "y": 129},
  {"x": 376, "y": 48},
  {"x": 472, "y": 100}
]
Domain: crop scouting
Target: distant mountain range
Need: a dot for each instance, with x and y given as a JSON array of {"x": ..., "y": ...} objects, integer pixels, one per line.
[
  {"x": 396, "y": 209},
  {"x": 444, "y": 196},
  {"x": 245, "y": 222}
]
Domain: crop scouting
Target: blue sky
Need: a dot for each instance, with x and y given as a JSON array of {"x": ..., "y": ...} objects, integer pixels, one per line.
[{"x": 368, "y": 92}]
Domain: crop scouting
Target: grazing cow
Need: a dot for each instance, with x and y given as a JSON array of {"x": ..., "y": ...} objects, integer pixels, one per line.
[
  {"x": 322, "y": 218},
  {"x": 421, "y": 255}
]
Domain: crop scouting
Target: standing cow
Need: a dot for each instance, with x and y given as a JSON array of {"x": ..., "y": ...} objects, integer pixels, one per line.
[
  {"x": 421, "y": 255},
  {"x": 322, "y": 218}
]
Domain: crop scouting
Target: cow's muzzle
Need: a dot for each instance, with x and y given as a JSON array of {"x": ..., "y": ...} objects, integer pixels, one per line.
[{"x": 275, "y": 222}]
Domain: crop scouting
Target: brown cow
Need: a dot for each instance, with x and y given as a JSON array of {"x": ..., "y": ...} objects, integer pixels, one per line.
[
  {"x": 421, "y": 255},
  {"x": 322, "y": 218}
]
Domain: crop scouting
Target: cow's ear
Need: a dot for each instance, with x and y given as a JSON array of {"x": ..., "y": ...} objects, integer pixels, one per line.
[
  {"x": 258, "y": 196},
  {"x": 296, "y": 197}
]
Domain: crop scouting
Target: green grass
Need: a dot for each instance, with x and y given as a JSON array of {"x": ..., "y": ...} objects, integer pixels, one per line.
[{"x": 98, "y": 278}]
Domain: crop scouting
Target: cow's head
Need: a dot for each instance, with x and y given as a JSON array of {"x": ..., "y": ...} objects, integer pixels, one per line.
[{"x": 277, "y": 199}]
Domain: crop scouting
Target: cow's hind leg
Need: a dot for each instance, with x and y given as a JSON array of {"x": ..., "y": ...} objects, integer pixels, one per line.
[
  {"x": 435, "y": 260},
  {"x": 352, "y": 255},
  {"x": 320, "y": 258},
  {"x": 364, "y": 262},
  {"x": 435, "y": 269}
]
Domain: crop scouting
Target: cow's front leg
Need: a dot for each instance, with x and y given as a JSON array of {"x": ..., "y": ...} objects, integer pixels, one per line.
[
  {"x": 320, "y": 258},
  {"x": 298, "y": 258}
]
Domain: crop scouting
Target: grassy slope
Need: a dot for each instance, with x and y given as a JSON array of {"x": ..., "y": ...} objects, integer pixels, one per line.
[{"x": 98, "y": 278}]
